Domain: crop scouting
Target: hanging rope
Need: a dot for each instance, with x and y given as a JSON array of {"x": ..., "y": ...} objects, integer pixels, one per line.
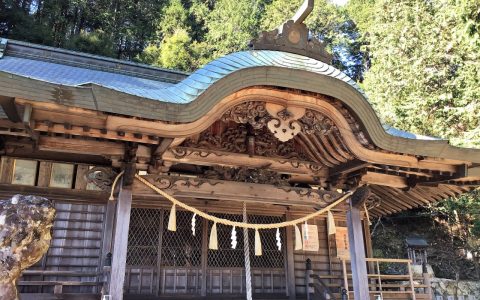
[
  {"x": 242, "y": 224},
  {"x": 111, "y": 198},
  {"x": 246, "y": 250}
]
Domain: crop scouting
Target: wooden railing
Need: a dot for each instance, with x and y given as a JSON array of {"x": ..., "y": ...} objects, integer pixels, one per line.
[
  {"x": 321, "y": 289},
  {"x": 382, "y": 285}
]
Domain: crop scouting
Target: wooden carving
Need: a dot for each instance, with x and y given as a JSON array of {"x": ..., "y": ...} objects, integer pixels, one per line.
[
  {"x": 237, "y": 140},
  {"x": 313, "y": 122},
  {"x": 242, "y": 174},
  {"x": 175, "y": 182},
  {"x": 253, "y": 113},
  {"x": 284, "y": 124},
  {"x": 25, "y": 234},
  {"x": 102, "y": 177}
]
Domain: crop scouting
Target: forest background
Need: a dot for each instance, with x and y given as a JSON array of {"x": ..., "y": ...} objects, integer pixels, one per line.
[{"x": 417, "y": 60}]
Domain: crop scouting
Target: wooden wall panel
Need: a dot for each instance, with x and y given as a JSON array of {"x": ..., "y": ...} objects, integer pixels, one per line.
[
  {"x": 6, "y": 169},
  {"x": 75, "y": 250}
]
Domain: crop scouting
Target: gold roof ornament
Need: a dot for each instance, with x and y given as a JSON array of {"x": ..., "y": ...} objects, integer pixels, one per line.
[{"x": 293, "y": 36}]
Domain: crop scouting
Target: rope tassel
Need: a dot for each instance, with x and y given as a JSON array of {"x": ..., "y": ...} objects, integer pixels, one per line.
[
  {"x": 213, "y": 242},
  {"x": 258, "y": 243},
  {"x": 298, "y": 238},
  {"x": 331, "y": 223},
  {"x": 172, "y": 219}
]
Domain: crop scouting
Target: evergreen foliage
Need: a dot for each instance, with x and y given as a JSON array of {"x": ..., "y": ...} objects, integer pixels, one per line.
[{"x": 425, "y": 69}]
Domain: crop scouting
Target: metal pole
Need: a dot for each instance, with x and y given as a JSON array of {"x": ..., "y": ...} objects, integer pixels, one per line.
[{"x": 246, "y": 249}]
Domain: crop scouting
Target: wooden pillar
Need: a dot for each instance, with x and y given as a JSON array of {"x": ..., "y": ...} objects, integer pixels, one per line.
[
  {"x": 108, "y": 228},
  {"x": 289, "y": 246},
  {"x": 357, "y": 244},
  {"x": 119, "y": 258},
  {"x": 204, "y": 260},
  {"x": 368, "y": 244}
]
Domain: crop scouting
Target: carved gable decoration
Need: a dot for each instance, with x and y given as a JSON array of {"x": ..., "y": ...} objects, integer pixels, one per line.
[
  {"x": 284, "y": 124},
  {"x": 253, "y": 113},
  {"x": 265, "y": 129},
  {"x": 236, "y": 139}
]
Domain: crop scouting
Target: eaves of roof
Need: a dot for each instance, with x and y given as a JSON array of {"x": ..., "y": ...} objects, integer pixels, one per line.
[{"x": 13, "y": 48}]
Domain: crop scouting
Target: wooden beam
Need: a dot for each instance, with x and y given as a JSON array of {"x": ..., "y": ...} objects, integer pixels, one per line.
[
  {"x": 119, "y": 258},
  {"x": 162, "y": 147},
  {"x": 10, "y": 109},
  {"x": 357, "y": 253},
  {"x": 91, "y": 147},
  {"x": 388, "y": 200},
  {"x": 384, "y": 179},
  {"x": 351, "y": 166},
  {"x": 217, "y": 158},
  {"x": 94, "y": 133},
  {"x": 57, "y": 194},
  {"x": 200, "y": 188}
]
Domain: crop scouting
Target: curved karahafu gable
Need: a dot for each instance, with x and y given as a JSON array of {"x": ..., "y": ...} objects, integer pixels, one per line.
[{"x": 193, "y": 98}]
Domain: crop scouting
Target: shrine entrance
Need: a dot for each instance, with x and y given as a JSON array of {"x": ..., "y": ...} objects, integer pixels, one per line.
[{"x": 162, "y": 262}]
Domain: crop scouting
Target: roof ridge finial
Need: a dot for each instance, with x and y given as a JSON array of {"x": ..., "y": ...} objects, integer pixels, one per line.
[
  {"x": 293, "y": 36},
  {"x": 303, "y": 11}
]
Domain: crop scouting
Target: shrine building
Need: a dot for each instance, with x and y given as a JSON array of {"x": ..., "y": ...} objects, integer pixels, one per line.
[{"x": 263, "y": 136}]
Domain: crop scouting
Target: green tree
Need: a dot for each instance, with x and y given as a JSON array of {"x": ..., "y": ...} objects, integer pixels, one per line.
[
  {"x": 231, "y": 25},
  {"x": 426, "y": 67},
  {"x": 177, "y": 51},
  {"x": 97, "y": 42}
]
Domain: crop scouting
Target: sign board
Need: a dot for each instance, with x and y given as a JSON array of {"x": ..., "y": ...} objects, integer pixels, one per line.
[
  {"x": 341, "y": 239},
  {"x": 310, "y": 238}
]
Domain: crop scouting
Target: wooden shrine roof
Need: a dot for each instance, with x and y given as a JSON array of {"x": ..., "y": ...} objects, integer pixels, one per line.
[{"x": 61, "y": 105}]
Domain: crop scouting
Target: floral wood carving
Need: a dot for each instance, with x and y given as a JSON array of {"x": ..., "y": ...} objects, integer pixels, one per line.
[
  {"x": 102, "y": 177},
  {"x": 314, "y": 121},
  {"x": 278, "y": 118},
  {"x": 253, "y": 113}
]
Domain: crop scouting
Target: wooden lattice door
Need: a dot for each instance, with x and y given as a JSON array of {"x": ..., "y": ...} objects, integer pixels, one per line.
[
  {"x": 226, "y": 266},
  {"x": 144, "y": 237},
  {"x": 160, "y": 261}
]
